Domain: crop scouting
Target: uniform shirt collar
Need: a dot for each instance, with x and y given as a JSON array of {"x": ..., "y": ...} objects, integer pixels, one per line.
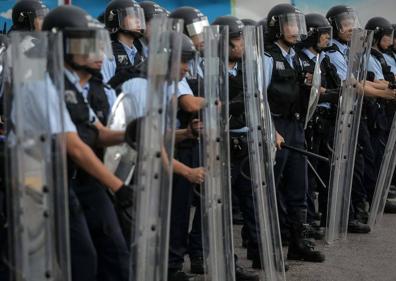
[
  {"x": 234, "y": 70},
  {"x": 342, "y": 47},
  {"x": 285, "y": 54},
  {"x": 75, "y": 80},
  {"x": 131, "y": 51}
]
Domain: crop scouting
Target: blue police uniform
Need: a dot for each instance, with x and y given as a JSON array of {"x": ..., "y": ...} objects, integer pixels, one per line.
[
  {"x": 391, "y": 61},
  {"x": 183, "y": 194},
  {"x": 98, "y": 247},
  {"x": 292, "y": 201}
]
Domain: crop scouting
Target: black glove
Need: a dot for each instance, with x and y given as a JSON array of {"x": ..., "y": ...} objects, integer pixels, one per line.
[
  {"x": 132, "y": 131},
  {"x": 124, "y": 196},
  {"x": 123, "y": 203}
]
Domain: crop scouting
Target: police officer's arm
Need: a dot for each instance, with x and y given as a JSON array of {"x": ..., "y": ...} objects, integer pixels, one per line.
[
  {"x": 193, "y": 175},
  {"x": 378, "y": 90},
  {"x": 191, "y": 103},
  {"x": 109, "y": 137},
  {"x": 84, "y": 157}
]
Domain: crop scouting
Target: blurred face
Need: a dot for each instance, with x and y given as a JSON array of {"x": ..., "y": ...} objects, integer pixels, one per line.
[
  {"x": 38, "y": 23},
  {"x": 198, "y": 42},
  {"x": 394, "y": 44},
  {"x": 85, "y": 60},
  {"x": 385, "y": 42},
  {"x": 345, "y": 31},
  {"x": 290, "y": 32},
  {"x": 324, "y": 40},
  {"x": 147, "y": 32},
  {"x": 184, "y": 68},
  {"x": 131, "y": 23},
  {"x": 236, "y": 48}
]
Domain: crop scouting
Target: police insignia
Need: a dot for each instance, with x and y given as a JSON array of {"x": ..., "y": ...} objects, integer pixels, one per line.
[
  {"x": 70, "y": 97},
  {"x": 280, "y": 65}
]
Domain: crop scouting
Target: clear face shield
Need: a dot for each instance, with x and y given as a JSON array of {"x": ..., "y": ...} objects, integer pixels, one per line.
[
  {"x": 88, "y": 46},
  {"x": 346, "y": 22},
  {"x": 195, "y": 32},
  {"x": 293, "y": 27},
  {"x": 325, "y": 36},
  {"x": 132, "y": 19},
  {"x": 36, "y": 18},
  {"x": 387, "y": 38}
]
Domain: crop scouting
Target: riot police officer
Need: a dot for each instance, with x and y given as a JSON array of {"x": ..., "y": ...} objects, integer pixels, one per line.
[
  {"x": 28, "y": 15},
  {"x": 343, "y": 20},
  {"x": 381, "y": 111},
  {"x": 241, "y": 186},
  {"x": 98, "y": 248},
  {"x": 319, "y": 132},
  {"x": 151, "y": 9},
  {"x": 184, "y": 194},
  {"x": 286, "y": 26},
  {"x": 125, "y": 21}
]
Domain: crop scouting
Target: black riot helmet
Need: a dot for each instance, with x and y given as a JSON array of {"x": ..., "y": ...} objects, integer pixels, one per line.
[
  {"x": 263, "y": 24},
  {"x": 285, "y": 19},
  {"x": 194, "y": 20},
  {"x": 188, "y": 50},
  {"x": 381, "y": 27},
  {"x": 342, "y": 18},
  {"x": 319, "y": 32},
  {"x": 25, "y": 12},
  {"x": 249, "y": 22},
  {"x": 83, "y": 36},
  {"x": 235, "y": 25},
  {"x": 125, "y": 16},
  {"x": 152, "y": 9}
]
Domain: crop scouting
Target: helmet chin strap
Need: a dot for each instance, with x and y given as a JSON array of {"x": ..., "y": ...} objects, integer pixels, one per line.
[
  {"x": 288, "y": 44},
  {"x": 78, "y": 67},
  {"x": 135, "y": 34}
]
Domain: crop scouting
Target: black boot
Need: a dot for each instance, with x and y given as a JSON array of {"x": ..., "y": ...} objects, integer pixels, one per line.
[
  {"x": 300, "y": 248},
  {"x": 355, "y": 226},
  {"x": 197, "y": 265},
  {"x": 242, "y": 274},
  {"x": 178, "y": 275},
  {"x": 390, "y": 207}
]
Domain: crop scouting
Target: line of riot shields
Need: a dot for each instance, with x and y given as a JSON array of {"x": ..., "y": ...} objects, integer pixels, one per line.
[{"x": 36, "y": 155}]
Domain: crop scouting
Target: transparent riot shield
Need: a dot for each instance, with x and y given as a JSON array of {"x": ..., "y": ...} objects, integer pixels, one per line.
[
  {"x": 387, "y": 169},
  {"x": 346, "y": 136},
  {"x": 36, "y": 189},
  {"x": 153, "y": 177},
  {"x": 121, "y": 159},
  {"x": 216, "y": 192},
  {"x": 315, "y": 92},
  {"x": 261, "y": 142}
]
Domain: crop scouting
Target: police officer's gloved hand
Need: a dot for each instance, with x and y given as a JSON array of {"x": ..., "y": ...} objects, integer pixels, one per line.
[
  {"x": 123, "y": 203},
  {"x": 132, "y": 131},
  {"x": 124, "y": 196}
]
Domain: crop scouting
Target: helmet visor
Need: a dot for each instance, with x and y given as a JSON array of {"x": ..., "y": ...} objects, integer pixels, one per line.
[
  {"x": 325, "y": 36},
  {"x": 347, "y": 21},
  {"x": 92, "y": 44},
  {"x": 132, "y": 19},
  {"x": 41, "y": 13},
  {"x": 293, "y": 25},
  {"x": 197, "y": 27}
]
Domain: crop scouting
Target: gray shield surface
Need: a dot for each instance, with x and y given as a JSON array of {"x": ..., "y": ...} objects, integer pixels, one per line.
[
  {"x": 346, "y": 136},
  {"x": 36, "y": 159},
  {"x": 156, "y": 136},
  {"x": 261, "y": 142}
]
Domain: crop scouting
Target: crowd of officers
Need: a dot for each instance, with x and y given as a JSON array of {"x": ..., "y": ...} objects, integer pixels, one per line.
[{"x": 293, "y": 41}]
